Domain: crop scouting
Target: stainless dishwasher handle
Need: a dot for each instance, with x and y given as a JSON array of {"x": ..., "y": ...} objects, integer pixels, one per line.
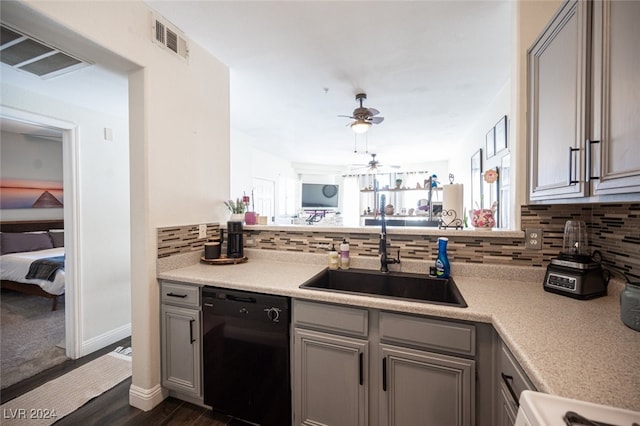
[{"x": 240, "y": 298}]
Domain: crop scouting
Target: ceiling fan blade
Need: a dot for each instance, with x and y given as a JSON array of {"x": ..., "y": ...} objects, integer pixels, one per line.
[
  {"x": 373, "y": 111},
  {"x": 376, "y": 120},
  {"x": 347, "y": 116}
]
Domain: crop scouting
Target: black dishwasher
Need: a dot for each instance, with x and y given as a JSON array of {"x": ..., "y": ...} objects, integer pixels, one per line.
[{"x": 246, "y": 355}]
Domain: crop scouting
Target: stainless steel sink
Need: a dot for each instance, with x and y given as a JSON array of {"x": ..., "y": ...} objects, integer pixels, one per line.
[{"x": 396, "y": 285}]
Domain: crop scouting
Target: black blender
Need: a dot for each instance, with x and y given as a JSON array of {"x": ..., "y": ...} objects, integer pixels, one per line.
[{"x": 575, "y": 272}]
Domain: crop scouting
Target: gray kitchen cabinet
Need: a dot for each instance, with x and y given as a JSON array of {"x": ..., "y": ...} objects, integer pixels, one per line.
[
  {"x": 583, "y": 91},
  {"x": 511, "y": 380},
  {"x": 557, "y": 105},
  {"x": 355, "y": 366},
  {"x": 330, "y": 359},
  {"x": 420, "y": 387},
  {"x": 180, "y": 338},
  {"x": 330, "y": 382},
  {"x": 615, "y": 168}
]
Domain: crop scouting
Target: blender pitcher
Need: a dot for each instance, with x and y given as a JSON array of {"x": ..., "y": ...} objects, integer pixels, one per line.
[{"x": 574, "y": 242}]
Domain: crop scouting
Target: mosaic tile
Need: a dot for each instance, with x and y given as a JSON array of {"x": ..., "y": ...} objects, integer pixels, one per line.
[{"x": 613, "y": 229}]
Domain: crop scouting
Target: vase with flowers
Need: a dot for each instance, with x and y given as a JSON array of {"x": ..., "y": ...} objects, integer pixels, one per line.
[
  {"x": 236, "y": 208},
  {"x": 250, "y": 217}
]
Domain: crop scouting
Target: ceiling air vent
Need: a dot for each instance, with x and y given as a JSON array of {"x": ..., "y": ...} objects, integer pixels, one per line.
[
  {"x": 169, "y": 37},
  {"x": 25, "y": 53}
]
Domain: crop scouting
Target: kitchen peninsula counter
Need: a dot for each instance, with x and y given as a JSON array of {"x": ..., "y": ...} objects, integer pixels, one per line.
[
  {"x": 391, "y": 230},
  {"x": 571, "y": 348}
]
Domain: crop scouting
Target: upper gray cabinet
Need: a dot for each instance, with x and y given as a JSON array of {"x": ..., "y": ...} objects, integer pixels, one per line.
[
  {"x": 615, "y": 168},
  {"x": 584, "y": 103}
]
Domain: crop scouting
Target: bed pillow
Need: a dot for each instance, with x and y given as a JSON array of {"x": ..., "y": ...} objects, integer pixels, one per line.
[
  {"x": 57, "y": 238},
  {"x": 15, "y": 242}
]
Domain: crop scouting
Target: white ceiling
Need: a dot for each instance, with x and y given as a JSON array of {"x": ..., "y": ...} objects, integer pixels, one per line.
[{"x": 429, "y": 67}]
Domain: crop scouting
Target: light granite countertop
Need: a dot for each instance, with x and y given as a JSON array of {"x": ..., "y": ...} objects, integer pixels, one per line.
[{"x": 571, "y": 348}]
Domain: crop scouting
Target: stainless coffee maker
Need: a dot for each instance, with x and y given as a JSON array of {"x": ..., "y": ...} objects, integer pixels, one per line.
[{"x": 235, "y": 243}]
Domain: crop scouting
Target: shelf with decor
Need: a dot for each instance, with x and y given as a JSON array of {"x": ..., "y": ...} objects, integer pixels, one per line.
[{"x": 408, "y": 193}]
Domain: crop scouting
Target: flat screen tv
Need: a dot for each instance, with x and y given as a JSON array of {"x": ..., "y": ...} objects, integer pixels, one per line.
[{"x": 319, "y": 196}]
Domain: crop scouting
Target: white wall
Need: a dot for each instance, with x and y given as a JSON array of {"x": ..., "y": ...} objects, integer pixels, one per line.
[
  {"x": 248, "y": 162},
  {"x": 30, "y": 158},
  {"x": 499, "y": 106}
]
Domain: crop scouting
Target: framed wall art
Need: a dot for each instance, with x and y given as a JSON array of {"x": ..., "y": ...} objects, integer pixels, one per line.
[
  {"x": 490, "y": 142},
  {"x": 501, "y": 135}
]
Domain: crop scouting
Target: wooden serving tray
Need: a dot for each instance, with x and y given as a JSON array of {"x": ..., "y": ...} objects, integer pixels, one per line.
[{"x": 224, "y": 260}]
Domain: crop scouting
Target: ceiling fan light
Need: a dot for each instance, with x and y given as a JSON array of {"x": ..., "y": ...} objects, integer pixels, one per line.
[{"x": 360, "y": 126}]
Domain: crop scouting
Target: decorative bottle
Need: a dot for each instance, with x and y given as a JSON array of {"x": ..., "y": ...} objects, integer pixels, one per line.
[
  {"x": 443, "y": 269},
  {"x": 344, "y": 255},
  {"x": 333, "y": 258}
]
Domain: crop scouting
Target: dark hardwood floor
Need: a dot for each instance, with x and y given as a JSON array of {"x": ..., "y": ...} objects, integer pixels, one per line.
[{"x": 112, "y": 407}]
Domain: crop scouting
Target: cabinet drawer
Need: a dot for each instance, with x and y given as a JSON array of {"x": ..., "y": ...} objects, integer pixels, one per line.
[
  {"x": 180, "y": 294},
  {"x": 428, "y": 333},
  {"x": 335, "y": 318},
  {"x": 511, "y": 374}
]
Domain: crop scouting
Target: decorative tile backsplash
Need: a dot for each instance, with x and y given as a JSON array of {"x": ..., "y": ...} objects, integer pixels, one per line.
[
  {"x": 183, "y": 239},
  {"x": 614, "y": 230}
]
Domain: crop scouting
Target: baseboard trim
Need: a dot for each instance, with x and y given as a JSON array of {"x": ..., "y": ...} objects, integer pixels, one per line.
[
  {"x": 104, "y": 340},
  {"x": 146, "y": 399}
]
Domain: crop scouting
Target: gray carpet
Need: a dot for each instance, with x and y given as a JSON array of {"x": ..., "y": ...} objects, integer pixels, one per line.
[{"x": 29, "y": 333}]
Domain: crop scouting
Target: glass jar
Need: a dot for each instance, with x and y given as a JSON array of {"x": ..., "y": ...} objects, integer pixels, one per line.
[{"x": 630, "y": 305}]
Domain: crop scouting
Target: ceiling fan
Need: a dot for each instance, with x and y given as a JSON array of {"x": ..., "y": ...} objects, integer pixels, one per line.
[
  {"x": 364, "y": 117},
  {"x": 373, "y": 166}
]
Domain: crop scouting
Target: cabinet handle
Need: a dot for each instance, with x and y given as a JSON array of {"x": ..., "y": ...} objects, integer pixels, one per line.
[
  {"x": 181, "y": 296},
  {"x": 589, "y": 177},
  {"x": 507, "y": 381},
  {"x": 384, "y": 374},
  {"x": 361, "y": 368},
  {"x": 191, "y": 331},
  {"x": 572, "y": 173}
]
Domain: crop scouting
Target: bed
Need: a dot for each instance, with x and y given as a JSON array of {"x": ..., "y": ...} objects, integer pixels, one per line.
[{"x": 21, "y": 244}]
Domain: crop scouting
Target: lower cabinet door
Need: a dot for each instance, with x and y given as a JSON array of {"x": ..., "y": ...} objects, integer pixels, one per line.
[
  {"x": 330, "y": 379},
  {"x": 424, "y": 388},
  {"x": 507, "y": 409},
  {"x": 181, "y": 349}
]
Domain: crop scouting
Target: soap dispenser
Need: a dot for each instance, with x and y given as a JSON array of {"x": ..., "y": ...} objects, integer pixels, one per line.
[
  {"x": 344, "y": 254},
  {"x": 333, "y": 257},
  {"x": 443, "y": 269}
]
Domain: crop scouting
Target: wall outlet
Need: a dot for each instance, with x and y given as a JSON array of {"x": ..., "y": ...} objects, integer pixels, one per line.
[
  {"x": 533, "y": 239},
  {"x": 202, "y": 231}
]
